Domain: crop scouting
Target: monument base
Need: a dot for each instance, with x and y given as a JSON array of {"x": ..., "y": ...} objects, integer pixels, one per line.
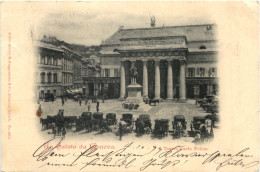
[
  {"x": 134, "y": 94},
  {"x": 134, "y": 100}
]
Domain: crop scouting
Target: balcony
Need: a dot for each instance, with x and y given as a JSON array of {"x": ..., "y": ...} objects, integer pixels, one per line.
[
  {"x": 49, "y": 83},
  {"x": 45, "y": 66}
]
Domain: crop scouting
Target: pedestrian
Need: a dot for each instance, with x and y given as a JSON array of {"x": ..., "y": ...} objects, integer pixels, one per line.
[
  {"x": 65, "y": 98},
  {"x": 59, "y": 131},
  {"x": 197, "y": 137},
  {"x": 62, "y": 101},
  {"x": 63, "y": 133},
  {"x": 86, "y": 102},
  {"x": 103, "y": 99},
  {"x": 97, "y": 108},
  {"x": 60, "y": 113},
  {"x": 79, "y": 102},
  {"x": 120, "y": 131},
  {"x": 89, "y": 106},
  {"x": 54, "y": 132}
]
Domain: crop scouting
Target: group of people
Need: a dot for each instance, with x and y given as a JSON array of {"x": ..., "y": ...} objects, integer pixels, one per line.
[
  {"x": 57, "y": 132},
  {"x": 89, "y": 106}
]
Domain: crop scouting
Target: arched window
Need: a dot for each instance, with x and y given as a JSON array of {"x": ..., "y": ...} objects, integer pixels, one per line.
[{"x": 203, "y": 47}]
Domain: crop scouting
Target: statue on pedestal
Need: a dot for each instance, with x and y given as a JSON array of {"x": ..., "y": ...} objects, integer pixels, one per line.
[{"x": 134, "y": 74}]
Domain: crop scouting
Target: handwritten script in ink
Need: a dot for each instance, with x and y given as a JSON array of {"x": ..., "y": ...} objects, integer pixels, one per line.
[{"x": 137, "y": 156}]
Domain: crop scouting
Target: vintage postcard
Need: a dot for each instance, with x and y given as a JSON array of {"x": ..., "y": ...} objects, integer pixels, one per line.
[{"x": 130, "y": 86}]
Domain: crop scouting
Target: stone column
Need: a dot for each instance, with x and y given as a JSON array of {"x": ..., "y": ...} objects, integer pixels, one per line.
[
  {"x": 157, "y": 80},
  {"x": 169, "y": 81},
  {"x": 145, "y": 79},
  {"x": 182, "y": 82},
  {"x": 122, "y": 81}
]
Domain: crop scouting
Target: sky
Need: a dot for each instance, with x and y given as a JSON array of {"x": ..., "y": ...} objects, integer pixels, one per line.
[{"x": 91, "y": 23}]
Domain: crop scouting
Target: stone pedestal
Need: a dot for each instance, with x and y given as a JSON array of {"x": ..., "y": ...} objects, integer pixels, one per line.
[{"x": 134, "y": 94}]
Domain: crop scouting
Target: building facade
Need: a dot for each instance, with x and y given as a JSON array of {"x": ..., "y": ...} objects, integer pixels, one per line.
[
  {"x": 49, "y": 73},
  {"x": 172, "y": 62},
  {"x": 67, "y": 70}
]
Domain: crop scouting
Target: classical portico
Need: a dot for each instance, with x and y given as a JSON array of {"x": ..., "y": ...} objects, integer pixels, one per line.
[
  {"x": 157, "y": 82},
  {"x": 156, "y": 51}
]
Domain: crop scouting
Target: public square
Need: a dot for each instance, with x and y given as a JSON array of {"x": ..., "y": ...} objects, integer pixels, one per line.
[{"x": 163, "y": 110}]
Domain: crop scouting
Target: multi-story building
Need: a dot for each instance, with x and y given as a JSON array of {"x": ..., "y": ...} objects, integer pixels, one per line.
[
  {"x": 92, "y": 82},
  {"x": 49, "y": 73},
  {"x": 77, "y": 71},
  {"x": 174, "y": 61},
  {"x": 67, "y": 70}
]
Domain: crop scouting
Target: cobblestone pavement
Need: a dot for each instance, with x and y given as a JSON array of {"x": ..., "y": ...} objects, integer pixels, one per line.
[{"x": 165, "y": 110}]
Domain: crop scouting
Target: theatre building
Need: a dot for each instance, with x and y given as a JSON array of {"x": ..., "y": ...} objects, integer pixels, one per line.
[{"x": 172, "y": 62}]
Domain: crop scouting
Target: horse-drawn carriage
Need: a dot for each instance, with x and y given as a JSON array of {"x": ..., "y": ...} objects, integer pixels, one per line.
[
  {"x": 154, "y": 101},
  {"x": 201, "y": 125},
  {"x": 127, "y": 122},
  {"x": 161, "y": 127},
  {"x": 97, "y": 120},
  {"x": 179, "y": 125},
  {"x": 69, "y": 121},
  {"x": 111, "y": 119},
  {"x": 84, "y": 121},
  {"x": 214, "y": 118},
  {"x": 143, "y": 124}
]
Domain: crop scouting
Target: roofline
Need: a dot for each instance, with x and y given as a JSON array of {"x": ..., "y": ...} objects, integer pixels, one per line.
[
  {"x": 50, "y": 48},
  {"x": 168, "y": 27},
  {"x": 153, "y": 37}
]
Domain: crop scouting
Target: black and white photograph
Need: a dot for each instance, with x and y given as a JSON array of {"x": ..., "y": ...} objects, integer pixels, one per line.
[{"x": 127, "y": 77}]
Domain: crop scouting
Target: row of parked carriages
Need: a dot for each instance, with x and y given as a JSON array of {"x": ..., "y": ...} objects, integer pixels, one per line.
[
  {"x": 210, "y": 104},
  {"x": 143, "y": 125}
]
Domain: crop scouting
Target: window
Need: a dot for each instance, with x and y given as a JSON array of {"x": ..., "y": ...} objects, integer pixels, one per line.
[
  {"x": 55, "y": 79},
  {"x": 201, "y": 72},
  {"x": 212, "y": 71},
  {"x": 42, "y": 77},
  {"x": 45, "y": 59},
  {"x": 55, "y": 62},
  {"x": 42, "y": 94},
  {"x": 42, "y": 59},
  {"x": 191, "y": 72},
  {"x": 49, "y": 61},
  {"x": 116, "y": 73},
  {"x": 107, "y": 72},
  {"x": 49, "y": 77}
]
